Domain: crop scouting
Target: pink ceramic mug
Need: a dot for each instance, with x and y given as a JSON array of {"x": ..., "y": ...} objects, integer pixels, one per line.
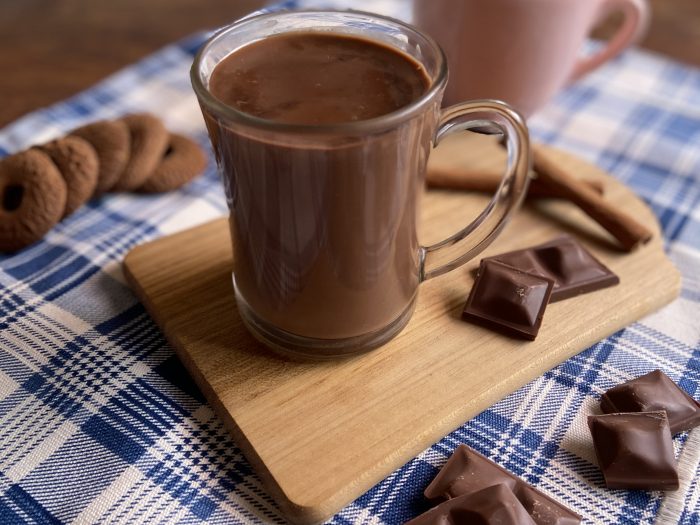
[{"x": 522, "y": 51}]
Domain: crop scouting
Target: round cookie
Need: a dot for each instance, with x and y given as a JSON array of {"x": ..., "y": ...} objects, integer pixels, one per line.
[
  {"x": 149, "y": 140},
  {"x": 182, "y": 161},
  {"x": 77, "y": 162},
  {"x": 111, "y": 141},
  {"x": 32, "y": 198}
]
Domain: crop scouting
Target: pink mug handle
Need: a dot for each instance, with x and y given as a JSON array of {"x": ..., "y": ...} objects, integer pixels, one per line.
[{"x": 636, "y": 21}]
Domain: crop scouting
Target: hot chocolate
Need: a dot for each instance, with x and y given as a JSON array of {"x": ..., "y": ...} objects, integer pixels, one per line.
[
  {"x": 317, "y": 78},
  {"x": 322, "y": 122},
  {"x": 323, "y": 223}
]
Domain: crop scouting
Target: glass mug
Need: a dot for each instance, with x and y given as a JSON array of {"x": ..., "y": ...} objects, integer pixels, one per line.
[{"x": 323, "y": 218}]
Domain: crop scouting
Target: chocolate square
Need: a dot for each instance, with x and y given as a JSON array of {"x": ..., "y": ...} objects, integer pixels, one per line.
[
  {"x": 494, "y": 505},
  {"x": 653, "y": 392},
  {"x": 542, "y": 509},
  {"x": 467, "y": 471},
  {"x": 574, "y": 270},
  {"x": 508, "y": 300},
  {"x": 635, "y": 450}
]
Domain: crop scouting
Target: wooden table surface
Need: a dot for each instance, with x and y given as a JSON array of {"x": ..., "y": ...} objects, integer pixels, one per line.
[{"x": 54, "y": 49}]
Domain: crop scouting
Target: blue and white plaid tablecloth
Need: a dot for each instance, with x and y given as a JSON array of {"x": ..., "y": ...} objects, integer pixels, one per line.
[{"x": 100, "y": 423}]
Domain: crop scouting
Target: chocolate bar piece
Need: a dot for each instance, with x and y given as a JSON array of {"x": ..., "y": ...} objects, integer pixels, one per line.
[
  {"x": 508, "y": 300},
  {"x": 494, "y": 505},
  {"x": 652, "y": 392},
  {"x": 635, "y": 450},
  {"x": 467, "y": 471},
  {"x": 574, "y": 270}
]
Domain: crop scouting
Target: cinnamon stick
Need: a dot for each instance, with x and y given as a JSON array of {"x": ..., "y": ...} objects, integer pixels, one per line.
[
  {"x": 627, "y": 230},
  {"x": 488, "y": 182}
]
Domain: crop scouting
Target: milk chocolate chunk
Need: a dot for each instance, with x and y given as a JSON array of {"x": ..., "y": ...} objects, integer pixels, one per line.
[
  {"x": 574, "y": 270},
  {"x": 467, "y": 472},
  {"x": 654, "y": 391},
  {"x": 542, "y": 509},
  {"x": 508, "y": 299},
  {"x": 635, "y": 450},
  {"x": 494, "y": 505}
]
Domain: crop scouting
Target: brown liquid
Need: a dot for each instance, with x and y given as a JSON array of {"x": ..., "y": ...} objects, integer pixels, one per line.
[
  {"x": 323, "y": 225},
  {"x": 316, "y": 78}
]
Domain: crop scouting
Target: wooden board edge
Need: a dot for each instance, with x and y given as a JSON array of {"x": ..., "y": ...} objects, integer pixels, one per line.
[
  {"x": 311, "y": 513},
  {"x": 468, "y": 411},
  {"x": 298, "y": 514},
  {"x": 449, "y": 424}
]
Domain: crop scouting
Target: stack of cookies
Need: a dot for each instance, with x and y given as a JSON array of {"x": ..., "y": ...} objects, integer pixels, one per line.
[{"x": 44, "y": 184}]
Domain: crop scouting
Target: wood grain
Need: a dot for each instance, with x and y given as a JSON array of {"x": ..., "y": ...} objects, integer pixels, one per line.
[
  {"x": 321, "y": 434},
  {"x": 55, "y": 49}
]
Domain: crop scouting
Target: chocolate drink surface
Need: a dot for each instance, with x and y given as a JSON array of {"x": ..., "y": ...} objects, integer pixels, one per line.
[
  {"x": 317, "y": 78},
  {"x": 323, "y": 222}
]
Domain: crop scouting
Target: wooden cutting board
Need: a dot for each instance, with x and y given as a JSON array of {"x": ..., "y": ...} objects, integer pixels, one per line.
[{"x": 322, "y": 434}]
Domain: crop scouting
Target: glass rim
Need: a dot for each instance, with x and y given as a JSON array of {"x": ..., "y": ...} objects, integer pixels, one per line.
[{"x": 386, "y": 121}]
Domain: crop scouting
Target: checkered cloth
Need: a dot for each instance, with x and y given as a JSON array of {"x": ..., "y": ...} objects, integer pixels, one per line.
[{"x": 99, "y": 421}]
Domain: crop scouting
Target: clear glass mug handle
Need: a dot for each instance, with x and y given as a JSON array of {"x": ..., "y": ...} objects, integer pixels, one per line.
[{"x": 464, "y": 245}]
